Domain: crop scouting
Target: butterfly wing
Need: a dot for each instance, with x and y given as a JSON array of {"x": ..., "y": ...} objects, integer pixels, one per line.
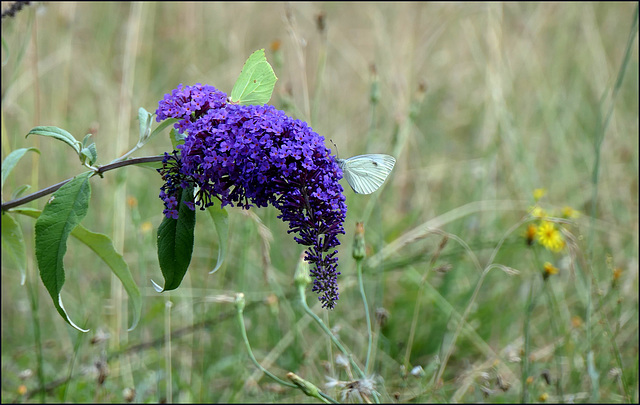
[{"x": 366, "y": 173}]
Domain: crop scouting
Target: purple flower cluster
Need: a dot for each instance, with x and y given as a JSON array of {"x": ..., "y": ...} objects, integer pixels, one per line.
[{"x": 248, "y": 155}]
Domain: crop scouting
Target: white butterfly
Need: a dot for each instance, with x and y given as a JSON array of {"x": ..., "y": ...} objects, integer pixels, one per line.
[{"x": 366, "y": 173}]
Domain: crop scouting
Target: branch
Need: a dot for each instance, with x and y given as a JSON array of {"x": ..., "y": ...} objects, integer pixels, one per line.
[{"x": 101, "y": 169}]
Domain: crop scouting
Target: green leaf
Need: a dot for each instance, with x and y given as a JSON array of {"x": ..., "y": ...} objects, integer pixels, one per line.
[
  {"x": 256, "y": 81},
  {"x": 30, "y": 212},
  {"x": 149, "y": 165},
  {"x": 59, "y": 134},
  {"x": 221, "y": 219},
  {"x": 90, "y": 153},
  {"x": 62, "y": 213},
  {"x": 162, "y": 126},
  {"x": 13, "y": 244},
  {"x": 88, "y": 150},
  {"x": 86, "y": 141},
  {"x": 103, "y": 247},
  {"x": 176, "y": 138},
  {"x": 144, "y": 120},
  {"x": 18, "y": 192},
  {"x": 12, "y": 159},
  {"x": 175, "y": 243}
]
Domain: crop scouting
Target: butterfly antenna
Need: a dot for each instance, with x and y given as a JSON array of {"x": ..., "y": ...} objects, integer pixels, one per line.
[{"x": 334, "y": 144}]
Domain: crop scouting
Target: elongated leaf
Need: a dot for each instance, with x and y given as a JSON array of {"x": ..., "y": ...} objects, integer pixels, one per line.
[
  {"x": 256, "y": 81},
  {"x": 62, "y": 213},
  {"x": 90, "y": 153},
  {"x": 86, "y": 141},
  {"x": 162, "y": 126},
  {"x": 18, "y": 192},
  {"x": 150, "y": 165},
  {"x": 30, "y": 212},
  {"x": 88, "y": 150},
  {"x": 13, "y": 244},
  {"x": 59, "y": 134},
  {"x": 175, "y": 243},
  {"x": 12, "y": 159},
  {"x": 221, "y": 219},
  {"x": 103, "y": 247},
  {"x": 176, "y": 138},
  {"x": 144, "y": 121}
]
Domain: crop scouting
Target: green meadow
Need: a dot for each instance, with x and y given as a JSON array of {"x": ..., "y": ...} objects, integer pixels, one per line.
[{"x": 501, "y": 253}]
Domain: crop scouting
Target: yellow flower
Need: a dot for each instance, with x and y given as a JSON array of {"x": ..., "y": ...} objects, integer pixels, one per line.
[
  {"x": 543, "y": 397},
  {"x": 275, "y": 45},
  {"x": 576, "y": 321},
  {"x": 538, "y": 193},
  {"x": 549, "y": 270},
  {"x": 617, "y": 272},
  {"x": 538, "y": 212},
  {"x": 550, "y": 237},
  {"x": 132, "y": 202},
  {"x": 146, "y": 227},
  {"x": 568, "y": 212},
  {"x": 530, "y": 234}
]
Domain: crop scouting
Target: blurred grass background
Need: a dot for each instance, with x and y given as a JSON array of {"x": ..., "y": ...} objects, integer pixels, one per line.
[{"x": 480, "y": 103}]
